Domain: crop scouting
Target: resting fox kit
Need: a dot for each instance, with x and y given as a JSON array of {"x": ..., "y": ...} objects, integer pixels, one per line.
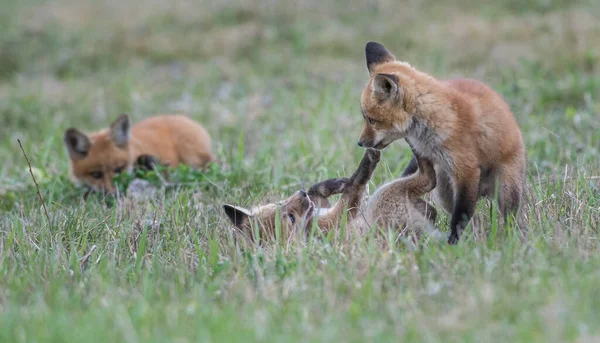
[
  {"x": 172, "y": 139},
  {"x": 395, "y": 205},
  {"x": 462, "y": 126}
]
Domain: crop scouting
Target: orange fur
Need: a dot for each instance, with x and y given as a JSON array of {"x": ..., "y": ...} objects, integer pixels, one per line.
[
  {"x": 395, "y": 205},
  {"x": 172, "y": 139},
  {"x": 465, "y": 128}
]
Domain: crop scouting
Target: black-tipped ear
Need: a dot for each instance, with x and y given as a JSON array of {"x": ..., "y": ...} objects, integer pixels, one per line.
[
  {"x": 376, "y": 54},
  {"x": 77, "y": 143},
  {"x": 238, "y": 216},
  {"x": 385, "y": 86},
  {"x": 119, "y": 131}
]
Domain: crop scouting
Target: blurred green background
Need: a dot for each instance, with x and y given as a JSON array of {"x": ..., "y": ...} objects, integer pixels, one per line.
[{"x": 277, "y": 84}]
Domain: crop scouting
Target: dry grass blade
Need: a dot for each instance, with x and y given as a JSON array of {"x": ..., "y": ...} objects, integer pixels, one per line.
[
  {"x": 37, "y": 187},
  {"x": 83, "y": 261}
]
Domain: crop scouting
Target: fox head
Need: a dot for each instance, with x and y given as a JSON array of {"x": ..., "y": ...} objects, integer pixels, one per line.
[
  {"x": 295, "y": 214},
  {"x": 96, "y": 158},
  {"x": 387, "y": 100}
]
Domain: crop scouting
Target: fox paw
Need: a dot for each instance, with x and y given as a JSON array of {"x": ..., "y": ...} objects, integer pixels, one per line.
[
  {"x": 146, "y": 162},
  {"x": 373, "y": 155},
  {"x": 328, "y": 188},
  {"x": 453, "y": 239}
]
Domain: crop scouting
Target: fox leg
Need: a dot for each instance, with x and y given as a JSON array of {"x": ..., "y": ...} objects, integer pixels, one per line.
[
  {"x": 199, "y": 160},
  {"x": 353, "y": 191},
  {"x": 511, "y": 193},
  {"x": 411, "y": 168},
  {"x": 420, "y": 183},
  {"x": 147, "y": 162},
  {"x": 365, "y": 169},
  {"x": 426, "y": 209},
  {"x": 319, "y": 192},
  {"x": 444, "y": 192},
  {"x": 413, "y": 164},
  {"x": 466, "y": 195},
  {"x": 361, "y": 176}
]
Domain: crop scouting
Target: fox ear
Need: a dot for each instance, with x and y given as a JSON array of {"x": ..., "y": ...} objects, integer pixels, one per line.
[
  {"x": 120, "y": 131},
  {"x": 385, "y": 86},
  {"x": 377, "y": 54},
  {"x": 77, "y": 143},
  {"x": 239, "y": 216}
]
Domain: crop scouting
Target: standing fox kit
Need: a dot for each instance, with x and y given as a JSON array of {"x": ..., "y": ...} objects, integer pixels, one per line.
[
  {"x": 462, "y": 126},
  {"x": 397, "y": 204},
  {"x": 172, "y": 139}
]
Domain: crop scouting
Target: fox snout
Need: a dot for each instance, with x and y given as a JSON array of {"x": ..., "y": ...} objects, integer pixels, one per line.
[
  {"x": 305, "y": 198},
  {"x": 302, "y": 198},
  {"x": 372, "y": 144},
  {"x": 366, "y": 140},
  {"x": 365, "y": 143}
]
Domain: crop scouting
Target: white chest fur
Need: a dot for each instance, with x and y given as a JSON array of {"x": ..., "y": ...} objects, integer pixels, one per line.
[{"x": 429, "y": 144}]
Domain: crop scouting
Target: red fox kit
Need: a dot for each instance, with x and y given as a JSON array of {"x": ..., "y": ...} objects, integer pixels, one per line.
[
  {"x": 172, "y": 139},
  {"x": 394, "y": 205},
  {"x": 462, "y": 126}
]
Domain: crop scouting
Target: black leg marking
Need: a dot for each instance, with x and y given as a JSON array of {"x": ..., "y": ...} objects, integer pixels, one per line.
[
  {"x": 146, "y": 162},
  {"x": 328, "y": 188},
  {"x": 431, "y": 213},
  {"x": 365, "y": 169},
  {"x": 462, "y": 214},
  {"x": 413, "y": 164},
  {"x": 412, "y": 167},
  {"x": 426, "y": 209}
]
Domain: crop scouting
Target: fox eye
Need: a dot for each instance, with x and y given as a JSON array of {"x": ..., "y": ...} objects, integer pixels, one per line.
[
  {"x": 371, "y": 121},
  {"x": 97, "y": 174},
  {"x": 292, "y": 218},
  {"x": 119, "y": 170}
]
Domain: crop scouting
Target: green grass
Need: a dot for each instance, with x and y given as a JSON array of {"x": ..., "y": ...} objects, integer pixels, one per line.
[{"x": 278, "y": 85}]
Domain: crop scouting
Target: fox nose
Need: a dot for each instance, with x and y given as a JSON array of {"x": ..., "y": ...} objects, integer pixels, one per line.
[{"x": 360, "y": 144}]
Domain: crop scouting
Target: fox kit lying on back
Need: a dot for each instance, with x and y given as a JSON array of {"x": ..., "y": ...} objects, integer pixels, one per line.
[
  {"x": 394, "y": 205},
  {"x": 462, "y": 126},
  {"x": 172, "y": 139}
]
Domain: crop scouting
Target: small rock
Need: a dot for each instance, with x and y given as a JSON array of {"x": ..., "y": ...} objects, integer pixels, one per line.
[{"x": 140, "y": 190}]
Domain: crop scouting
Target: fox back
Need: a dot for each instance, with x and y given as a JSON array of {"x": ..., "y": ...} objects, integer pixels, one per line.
[{"x": 96, "y": 158}]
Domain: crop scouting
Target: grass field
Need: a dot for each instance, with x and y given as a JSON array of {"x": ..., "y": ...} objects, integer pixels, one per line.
[{"x": 277, "y": 85}]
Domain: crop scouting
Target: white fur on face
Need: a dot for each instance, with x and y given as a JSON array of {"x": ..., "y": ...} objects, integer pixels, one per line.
[
  {"x": 403, "y": 128},
  {"x": 379, "y": 137},
  {"x": 388, "y": 137},
  {"x": 321, "y": 211}
]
